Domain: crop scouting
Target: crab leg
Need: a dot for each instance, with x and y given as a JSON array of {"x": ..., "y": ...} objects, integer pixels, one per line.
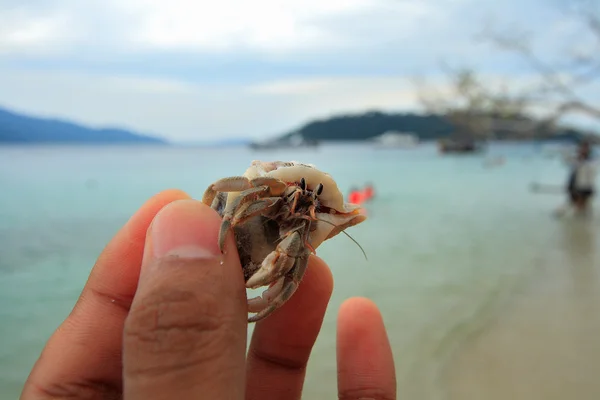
[
  {"x": 243, "y": 198},
  {"x": 233, "y": 217},
  {"x": 233, "y": 208},
  {"x": 290, "y": 284},
  {"x": 311, "y": 211},
  {"x": 310, "y": 248},
  {"x": 241, "y": 183},
  {"x": 278, "y": 262},
  {"x": 219, "y": 202},
  {"x": 261, "y": 302},
  {"x": 252, "y": 209},
  {"x": 276, "y": 187},
  {"x": 295, "y": 202},
  {"x": 230, "y": 184}
]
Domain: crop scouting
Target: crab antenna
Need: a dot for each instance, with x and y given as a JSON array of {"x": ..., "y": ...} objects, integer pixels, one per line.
[{"x": 347, "y": 234}]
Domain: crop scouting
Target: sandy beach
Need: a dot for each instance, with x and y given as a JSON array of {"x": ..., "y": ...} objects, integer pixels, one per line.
[{"x": 546, "y": 343}]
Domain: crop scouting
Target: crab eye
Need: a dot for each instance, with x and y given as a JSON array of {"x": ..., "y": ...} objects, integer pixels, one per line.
[
  {"x": 302, "y": 184},
  {"x": 319, "y": 189}
]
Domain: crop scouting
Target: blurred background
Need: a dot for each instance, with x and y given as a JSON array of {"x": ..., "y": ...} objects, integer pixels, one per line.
[{"x": 461, "y": 114}]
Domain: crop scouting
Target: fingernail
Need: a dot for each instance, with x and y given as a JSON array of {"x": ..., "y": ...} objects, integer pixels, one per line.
[{"x": 186, "y": 229}]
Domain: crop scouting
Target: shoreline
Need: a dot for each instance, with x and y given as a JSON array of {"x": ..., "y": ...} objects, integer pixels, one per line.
[{"x": 543, "y": 344}]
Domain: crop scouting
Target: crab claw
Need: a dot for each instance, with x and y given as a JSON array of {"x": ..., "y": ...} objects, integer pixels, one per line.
[
  {"x": 259, "y": 303},
  {"x": 278, "y": 262}
]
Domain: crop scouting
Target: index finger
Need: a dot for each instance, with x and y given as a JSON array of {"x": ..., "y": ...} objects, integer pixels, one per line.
[{"x": 82, "y": 359}]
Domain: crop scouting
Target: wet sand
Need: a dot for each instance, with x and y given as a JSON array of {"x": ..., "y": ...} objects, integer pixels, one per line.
[{"x": 546, "y": 343}]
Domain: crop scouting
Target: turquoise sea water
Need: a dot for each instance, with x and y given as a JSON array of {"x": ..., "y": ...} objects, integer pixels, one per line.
[{"x": 447, "y": 239}]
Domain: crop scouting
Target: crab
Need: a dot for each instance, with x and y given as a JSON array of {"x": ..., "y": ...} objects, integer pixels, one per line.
[{"x": 279, "y": 212}]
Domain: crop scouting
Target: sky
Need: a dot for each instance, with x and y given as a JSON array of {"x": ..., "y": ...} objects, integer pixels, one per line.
[{"x": 195, "y": 70}]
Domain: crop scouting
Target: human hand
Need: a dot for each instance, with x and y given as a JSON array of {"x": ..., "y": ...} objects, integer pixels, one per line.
[{"x": 161, "y": 317}]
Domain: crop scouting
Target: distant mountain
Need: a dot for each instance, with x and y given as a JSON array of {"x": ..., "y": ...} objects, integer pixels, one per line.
[
  {"x": 371, "y": 124},
  {"x": 365, "y": 126},
  {"x": 232, "y": 142},
  {"x": 18, "y": 128}
]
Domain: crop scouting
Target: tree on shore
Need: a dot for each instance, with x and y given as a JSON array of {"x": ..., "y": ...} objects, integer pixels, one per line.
[
  {"x": 474, "y": 108},
  {"x": 561, "y": 83},
  {"x": 557, "y": 90}
]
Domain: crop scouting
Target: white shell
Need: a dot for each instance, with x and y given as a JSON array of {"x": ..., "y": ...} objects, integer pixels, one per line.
[{"x": 346, "y": 215}]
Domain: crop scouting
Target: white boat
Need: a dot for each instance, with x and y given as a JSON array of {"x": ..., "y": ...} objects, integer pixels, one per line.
[
  {"x": 295, "y": 142},
  {"x": 396, "y": 139}
]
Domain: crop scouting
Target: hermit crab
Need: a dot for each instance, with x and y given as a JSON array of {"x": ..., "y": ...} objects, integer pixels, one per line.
[{"x": 279, "y": 212}]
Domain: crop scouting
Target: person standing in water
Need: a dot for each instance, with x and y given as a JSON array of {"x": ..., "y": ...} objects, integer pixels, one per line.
[{"x": 581, "y": 183}]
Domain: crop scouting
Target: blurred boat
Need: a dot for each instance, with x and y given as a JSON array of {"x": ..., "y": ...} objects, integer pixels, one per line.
[
  {"x": 395, "y": 139},
  {"x": 293, "y": 142},
  {"x": 459, "y": 146}
]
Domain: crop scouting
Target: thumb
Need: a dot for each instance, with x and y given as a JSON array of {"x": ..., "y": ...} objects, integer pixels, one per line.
[{"x": 185, "y": 335}]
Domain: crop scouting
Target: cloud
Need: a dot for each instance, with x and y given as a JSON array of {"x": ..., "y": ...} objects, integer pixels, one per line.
[
  {"x": 179, "y": 25},
  {"x": 194, "y": 69},
  {"x": 187, "y": 112},
  {"x": 22, "y": 32},
  {"x": 312, "y": 33},
  {"x": 267, "y": 27}
]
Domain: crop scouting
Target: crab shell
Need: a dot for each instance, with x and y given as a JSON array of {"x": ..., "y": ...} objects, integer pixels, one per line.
[{"x": 343, "y": 215}]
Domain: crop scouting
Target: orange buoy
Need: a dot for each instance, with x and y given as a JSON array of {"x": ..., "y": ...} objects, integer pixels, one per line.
[{"x": 356, "y": 197}]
